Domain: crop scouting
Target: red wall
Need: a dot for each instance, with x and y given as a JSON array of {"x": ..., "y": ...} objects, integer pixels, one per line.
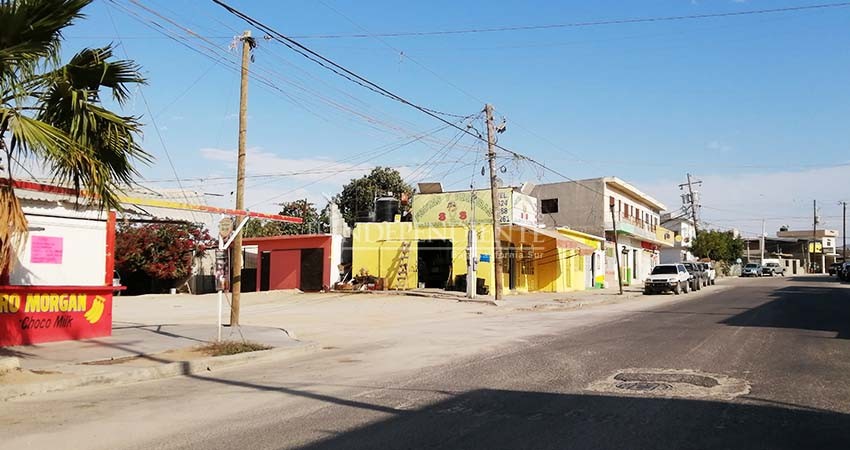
[{"x": 285, "y": 251}]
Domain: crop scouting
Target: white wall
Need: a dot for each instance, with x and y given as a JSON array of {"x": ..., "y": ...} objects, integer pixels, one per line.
[
  {"x": 336, "y": 257},
  {"x": 83, "y": 261}
]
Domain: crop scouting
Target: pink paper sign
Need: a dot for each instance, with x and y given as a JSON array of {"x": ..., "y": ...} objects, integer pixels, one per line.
[{"x": 46, "y": 250}]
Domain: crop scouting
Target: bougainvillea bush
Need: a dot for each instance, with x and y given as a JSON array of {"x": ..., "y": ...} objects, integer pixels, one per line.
[{"x": 161, "y": 251}]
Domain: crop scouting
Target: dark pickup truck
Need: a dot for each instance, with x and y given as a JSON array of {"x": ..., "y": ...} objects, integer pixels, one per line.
[{"x": 699, "y": 276}]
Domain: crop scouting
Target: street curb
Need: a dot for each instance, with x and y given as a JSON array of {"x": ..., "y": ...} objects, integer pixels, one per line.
[
  {"x": 174, "y": 369},
  {"x": 443, "y": 297}
]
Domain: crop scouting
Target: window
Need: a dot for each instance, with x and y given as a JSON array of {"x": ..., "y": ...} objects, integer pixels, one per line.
[{"x": 549, "y": 206}]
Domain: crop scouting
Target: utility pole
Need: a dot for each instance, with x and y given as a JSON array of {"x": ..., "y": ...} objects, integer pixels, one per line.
[
  {"x": 813, "y": 247},
  {"x": 692, "y": 199},
  {"x": 616, "y": 244},
  {"x": 494, "y": 195},
  {"x": 761, "y": 243},
  {"x": 236, "y": 289},
  {"x": 844, "y": 233}
]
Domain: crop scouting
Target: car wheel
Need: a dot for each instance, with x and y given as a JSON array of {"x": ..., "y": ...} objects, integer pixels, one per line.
[
  {"x": 676, "y": 289},
  {"x": 686, "y": 288}
]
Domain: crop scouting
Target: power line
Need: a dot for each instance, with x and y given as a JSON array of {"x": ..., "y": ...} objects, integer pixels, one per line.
[
  {"x": 573, "y": 24},
  {"x": 213, "y": 48},
  {"x": 362, "y": 81},
  {"x": 153, "y": 122}
]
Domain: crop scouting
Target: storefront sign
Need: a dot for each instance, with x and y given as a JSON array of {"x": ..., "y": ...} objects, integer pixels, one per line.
[
  {"x": 459, "y": 208},
  {"x": 46, "y": 250},
  {"x": 454, "y": 208},
  {"x": 33, "y": 314},
  {"x": 524, "y": 209}
]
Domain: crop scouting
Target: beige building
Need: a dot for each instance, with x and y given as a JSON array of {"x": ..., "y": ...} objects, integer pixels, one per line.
[{"x": 585, "y": 205}]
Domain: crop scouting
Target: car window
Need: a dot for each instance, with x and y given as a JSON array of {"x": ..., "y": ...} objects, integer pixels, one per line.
[{"x": 663, "y": 270}]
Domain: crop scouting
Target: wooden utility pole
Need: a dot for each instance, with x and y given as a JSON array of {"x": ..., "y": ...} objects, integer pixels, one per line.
[
  {"x": 693, "y": 202},
  {"x": 844, "y": 233},
  {"x": 494, "y": 195},
  {"x": 814, "y": 245},
  {"x": 236, "y": 289},
  {"x": 616, "y": 245}
]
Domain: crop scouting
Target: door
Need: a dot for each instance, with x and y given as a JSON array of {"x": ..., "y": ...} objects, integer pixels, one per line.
[
  {"x": 434, "y": 263},
  {"x": 589, "y": 262},
  {"x": 265, "y": 267},
  {"x": 285, "y": 269},
  {"x": 312, "y": 269},
  {"x": 512, "y": 268}
]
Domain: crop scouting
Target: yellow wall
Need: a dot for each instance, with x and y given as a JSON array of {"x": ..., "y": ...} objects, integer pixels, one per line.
[
  {"x": 542, "y": 266},
  {"x": 377, "y": 248}
]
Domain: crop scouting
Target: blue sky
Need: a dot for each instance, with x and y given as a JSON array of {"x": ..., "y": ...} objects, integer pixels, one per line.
[{"x": 756, "y": 106}]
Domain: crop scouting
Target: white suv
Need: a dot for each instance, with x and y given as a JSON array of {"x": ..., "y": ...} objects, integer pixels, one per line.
[{"x": 667, "y": 277}]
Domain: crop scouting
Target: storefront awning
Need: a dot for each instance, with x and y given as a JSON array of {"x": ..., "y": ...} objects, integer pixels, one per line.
[{"x": 561, "y": 241}]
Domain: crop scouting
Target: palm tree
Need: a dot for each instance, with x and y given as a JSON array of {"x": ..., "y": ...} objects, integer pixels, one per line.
[{"x": 54, "y": 113}]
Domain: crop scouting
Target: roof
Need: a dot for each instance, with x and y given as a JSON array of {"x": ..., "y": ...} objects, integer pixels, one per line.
[
  {"x": 634, "y": 191},
  {"x": 287, "y": 237},
  {"x": 152, "y": 203},
  {"x": 562, "y": 241},
  {"x": 569, "y": 230}
]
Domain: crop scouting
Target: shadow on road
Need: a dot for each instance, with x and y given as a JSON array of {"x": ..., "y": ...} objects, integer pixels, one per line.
[
  {"x": 497, "y": 419},
  {"x": 800, "y": 307},
  {"x": 816, "y": 279}
]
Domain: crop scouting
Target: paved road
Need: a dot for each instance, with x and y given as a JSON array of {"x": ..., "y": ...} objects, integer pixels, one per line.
[{"x": 788, "y": 339}]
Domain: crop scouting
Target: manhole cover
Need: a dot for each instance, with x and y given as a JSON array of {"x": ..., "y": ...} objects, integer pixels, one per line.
[
  {"x": 671, "y": 383},
  {"x": 643, "y": 386}
]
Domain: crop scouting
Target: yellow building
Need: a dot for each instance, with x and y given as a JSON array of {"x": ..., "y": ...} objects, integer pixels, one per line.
[
  {"x": 594, "y": 263},
  {"x": 432, "y": 250}
]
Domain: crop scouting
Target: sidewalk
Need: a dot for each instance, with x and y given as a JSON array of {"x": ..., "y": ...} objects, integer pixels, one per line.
[
  {"x": 154, "y": 335},
  {"x": 134, "y": 352},
  {"x": 533, "y": 300}
]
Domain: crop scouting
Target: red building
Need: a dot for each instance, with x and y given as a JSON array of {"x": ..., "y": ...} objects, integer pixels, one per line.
[{"x": 307, "y": 262}]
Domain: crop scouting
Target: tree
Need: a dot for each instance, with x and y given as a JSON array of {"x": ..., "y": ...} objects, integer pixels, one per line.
[
  {"x": 359, "y": 194},
  {"x": 54, "y": 113},
  {"x": 717, "y": 245},
  {"x": 162, "y": 251},
  {"x": 314, "y": 221}
]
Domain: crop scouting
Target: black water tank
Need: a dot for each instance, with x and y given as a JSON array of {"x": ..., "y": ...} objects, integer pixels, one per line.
[{"x": 385, "y": 209}]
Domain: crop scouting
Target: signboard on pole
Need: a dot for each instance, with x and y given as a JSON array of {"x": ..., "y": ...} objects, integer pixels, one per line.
[{"x": 225, "y": 227}]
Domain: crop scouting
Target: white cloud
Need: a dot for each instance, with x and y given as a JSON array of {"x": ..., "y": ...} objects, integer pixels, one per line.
[
  {"x": 718, "y": 146},
  {"x": 311, "y": 177},
  {"x": 781, "y": 198}
]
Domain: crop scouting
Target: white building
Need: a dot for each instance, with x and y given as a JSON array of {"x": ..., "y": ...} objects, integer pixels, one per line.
[
  {"x": 684, "y": 233},
  {"x": 586, "y": 206}
]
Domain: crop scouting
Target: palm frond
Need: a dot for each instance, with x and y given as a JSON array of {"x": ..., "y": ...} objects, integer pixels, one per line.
[
  {"x": 31, "y": 31},
  {"x": 105, "y": 148}
]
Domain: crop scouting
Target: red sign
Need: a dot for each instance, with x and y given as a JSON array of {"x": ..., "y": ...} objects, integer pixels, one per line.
[{"x": 33, "y": 314}]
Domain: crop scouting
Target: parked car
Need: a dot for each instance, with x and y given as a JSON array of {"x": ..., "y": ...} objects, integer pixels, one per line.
[
  {"x": 667, "y": 277},
  {"x": 772, "y": 268},
  {"x": 700, "y": 278},
  {"x": 751, "y": 270},
  {"x": 843, "y": 271},
  {"x": 834, "y": 267},
  {"x": 711, "y": 274}
]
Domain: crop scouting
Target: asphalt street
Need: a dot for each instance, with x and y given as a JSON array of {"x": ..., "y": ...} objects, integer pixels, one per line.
[{"x": 785, "y": 339}]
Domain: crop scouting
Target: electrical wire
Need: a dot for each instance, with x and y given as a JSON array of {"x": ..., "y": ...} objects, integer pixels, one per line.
[
  {"x": 362, "y": 81},
  {"x": 574, "y": 24},
  {"x": 153, "y": 122}
]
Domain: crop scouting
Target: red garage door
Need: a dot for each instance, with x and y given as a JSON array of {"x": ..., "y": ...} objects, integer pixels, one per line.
[{"x": 285, "y": 269}]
